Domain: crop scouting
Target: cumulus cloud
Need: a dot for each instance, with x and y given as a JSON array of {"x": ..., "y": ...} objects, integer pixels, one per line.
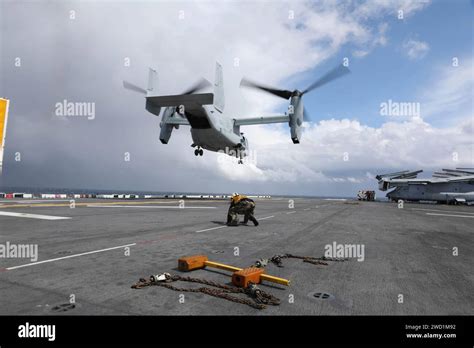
[{"x": 332, "y": 147}]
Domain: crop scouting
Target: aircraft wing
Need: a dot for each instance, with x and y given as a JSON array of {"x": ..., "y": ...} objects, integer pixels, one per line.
[{"x": 261, "y": 120}]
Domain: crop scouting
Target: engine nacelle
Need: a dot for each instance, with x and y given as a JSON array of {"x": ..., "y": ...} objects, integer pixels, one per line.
[
  {"x": 296, "y": 118},
  {"x": 166, "y": 129}
]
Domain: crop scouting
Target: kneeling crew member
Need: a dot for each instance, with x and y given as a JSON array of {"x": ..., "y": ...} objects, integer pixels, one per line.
[{"x": 240, "y": 204}]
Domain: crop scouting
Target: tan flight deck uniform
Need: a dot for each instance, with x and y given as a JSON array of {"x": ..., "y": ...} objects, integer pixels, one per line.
[{"x": 241, "y": 204}]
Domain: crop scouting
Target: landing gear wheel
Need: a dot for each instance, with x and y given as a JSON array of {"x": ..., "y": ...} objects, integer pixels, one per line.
[
  {"x": 196, "y": 152},
  {"x": 240, "y": 161},
  {"x": 201, "y": 152}
]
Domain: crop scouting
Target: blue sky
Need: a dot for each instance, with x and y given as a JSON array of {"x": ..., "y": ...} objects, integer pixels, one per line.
[{"x": 386, "y": 72}]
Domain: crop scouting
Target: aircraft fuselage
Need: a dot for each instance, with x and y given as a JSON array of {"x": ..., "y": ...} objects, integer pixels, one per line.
[{"x": 216, "y": 132}]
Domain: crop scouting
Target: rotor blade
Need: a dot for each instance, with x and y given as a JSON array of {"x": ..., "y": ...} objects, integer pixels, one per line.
[
  {"x": 335, "y": 73},
  {"x": 282, "y": 93},
  {"x": 132, "y": 87},
  {"x": 201, "y": 84}
]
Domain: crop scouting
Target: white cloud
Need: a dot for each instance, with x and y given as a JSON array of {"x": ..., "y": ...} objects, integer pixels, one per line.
[
  {"x": 405, "y": 145},
  {"x": 379, "y": 39},
  {"x": 360, "y": 53},
  {"x": 378, "y": 8},
  {"x": 450, "y": 93},
  {"x": 415, "y": 49}
]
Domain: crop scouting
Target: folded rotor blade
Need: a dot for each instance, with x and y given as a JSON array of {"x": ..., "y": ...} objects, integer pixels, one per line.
[
  {"x": 333, "y": 74},
  {"x": 285, "y": 94},
  {"x": 132, "y": 87}
]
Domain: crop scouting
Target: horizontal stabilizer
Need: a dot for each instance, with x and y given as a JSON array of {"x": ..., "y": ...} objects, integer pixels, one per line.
[{"x": 188, "y": 100}]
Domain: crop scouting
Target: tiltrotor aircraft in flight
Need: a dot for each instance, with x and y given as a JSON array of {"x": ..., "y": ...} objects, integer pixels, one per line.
[{"x": 211, "y": 128}]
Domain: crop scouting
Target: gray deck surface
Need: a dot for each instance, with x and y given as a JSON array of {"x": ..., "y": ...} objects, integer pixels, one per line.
[{"x": 407, "y": 251}]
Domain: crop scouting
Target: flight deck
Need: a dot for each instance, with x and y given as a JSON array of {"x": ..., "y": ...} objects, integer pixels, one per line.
[{"x": 417, "y": 260}]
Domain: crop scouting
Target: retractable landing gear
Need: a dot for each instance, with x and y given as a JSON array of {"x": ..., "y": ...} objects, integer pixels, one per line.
[
  {"x": 198, "y": 151},
  {"x": 240, "y": 156}
]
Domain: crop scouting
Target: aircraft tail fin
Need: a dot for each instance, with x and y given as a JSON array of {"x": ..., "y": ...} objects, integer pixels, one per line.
[
  {"x": 152, "y": 81},
  {"x": 219, "y": 100},
  {"x": 189, "y": 99}
]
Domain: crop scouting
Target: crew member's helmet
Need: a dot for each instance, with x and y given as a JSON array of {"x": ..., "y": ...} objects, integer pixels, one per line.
[{"x": 235, "y": 194}]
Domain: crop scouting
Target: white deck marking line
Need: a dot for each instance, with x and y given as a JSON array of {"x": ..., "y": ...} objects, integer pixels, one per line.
[
  {"x": 291, "y": 212},
  {"x": 147, "y": 206},
  {"x": 444, "y": 211},
  {"x": 267, "y": 217},
  {"x": 212, "y": 228},
  {"x": 452, "y": 215},
  {"x": 32, "y": 201},
  {"x": 307, "y": 209},
  {"x": 68, "y": 257},
  {"x": 33, "y": 216},
  {"x": 439, "y": 247}
]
